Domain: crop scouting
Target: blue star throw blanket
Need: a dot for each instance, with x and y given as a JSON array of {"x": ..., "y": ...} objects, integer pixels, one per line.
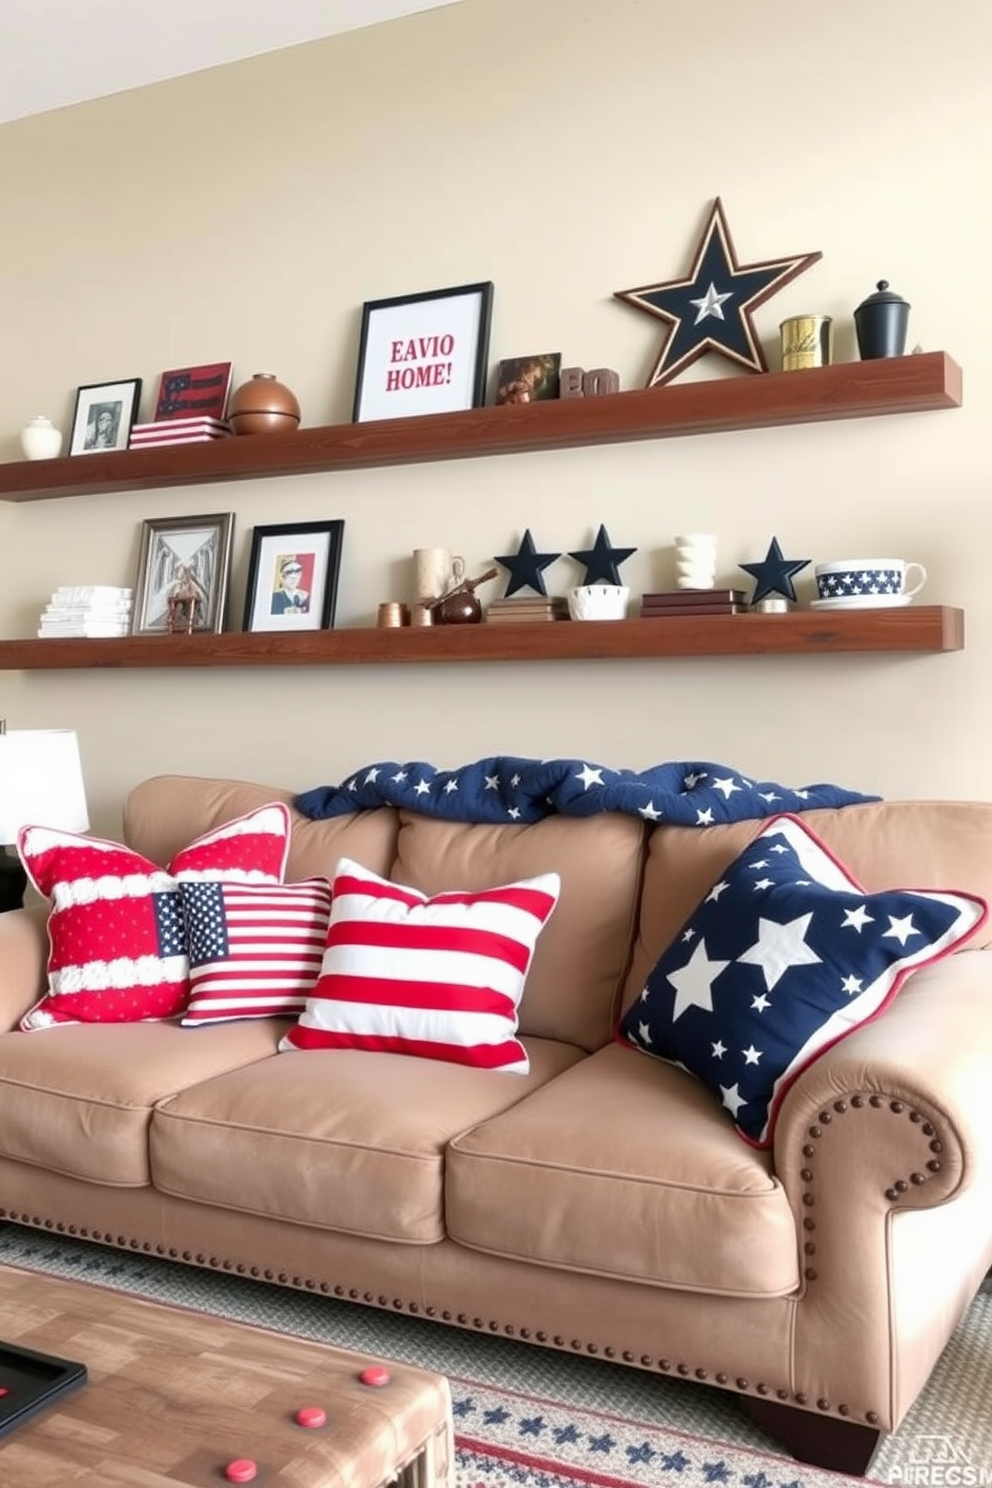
[{"x": 505, "y": 788}]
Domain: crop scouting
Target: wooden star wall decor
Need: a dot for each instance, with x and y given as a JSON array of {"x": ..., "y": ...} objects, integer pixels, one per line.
[{"x": 711, "y": 309}]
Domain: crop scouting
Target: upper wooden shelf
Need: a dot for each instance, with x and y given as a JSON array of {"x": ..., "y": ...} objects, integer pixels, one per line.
[
  {"x": 909, "y": 384},
  {"x": 911, "y": 628}
]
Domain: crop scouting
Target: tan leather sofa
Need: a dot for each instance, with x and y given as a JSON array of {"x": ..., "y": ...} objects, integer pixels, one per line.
[{"x": 602, "y": 1204}]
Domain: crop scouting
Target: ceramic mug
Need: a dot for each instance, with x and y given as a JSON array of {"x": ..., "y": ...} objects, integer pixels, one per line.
[
  {"x": 846, "y": 578},
  {"x": 436, "y": 571}
]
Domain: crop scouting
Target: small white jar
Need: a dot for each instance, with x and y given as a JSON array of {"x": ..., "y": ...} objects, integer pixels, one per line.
[{"x": 40, "y": 439}]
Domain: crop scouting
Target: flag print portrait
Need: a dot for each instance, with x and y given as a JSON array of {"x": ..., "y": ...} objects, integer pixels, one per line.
[{"x": 293, "y": 576}]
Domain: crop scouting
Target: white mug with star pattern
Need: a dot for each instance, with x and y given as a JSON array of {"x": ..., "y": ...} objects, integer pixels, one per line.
[{"x": 860, "y": 578}]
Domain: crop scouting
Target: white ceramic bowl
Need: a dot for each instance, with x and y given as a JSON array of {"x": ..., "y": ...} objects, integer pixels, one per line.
[{"x": 598, "y": 602}]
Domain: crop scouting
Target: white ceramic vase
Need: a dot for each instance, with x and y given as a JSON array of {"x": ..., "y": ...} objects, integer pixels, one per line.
[
  {"x": 695, "y": 560},
  {"x": 40, "y": 439}
]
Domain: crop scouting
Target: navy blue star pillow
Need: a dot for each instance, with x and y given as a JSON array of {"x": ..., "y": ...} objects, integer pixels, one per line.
[{"x": 784, "y": 956}]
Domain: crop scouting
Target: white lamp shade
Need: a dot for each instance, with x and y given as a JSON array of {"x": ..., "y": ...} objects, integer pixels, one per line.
[{"x": 41, "y": 782}]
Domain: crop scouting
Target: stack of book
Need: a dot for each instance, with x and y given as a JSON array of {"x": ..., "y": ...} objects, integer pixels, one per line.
[
  {"x": 87, "y": 610},
  {"x": 526, "y": 609},
  {"x": 684, "y": 602},
  {"x": 179, "y": 431}
]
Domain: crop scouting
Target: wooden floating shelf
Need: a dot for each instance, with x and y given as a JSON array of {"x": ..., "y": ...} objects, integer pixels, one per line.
[
  {"x": 909, "y": 384},
  {"x": 801, "y": 632}
]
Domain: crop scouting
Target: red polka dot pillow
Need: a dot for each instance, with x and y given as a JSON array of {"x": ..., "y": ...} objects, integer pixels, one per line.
[
  {"x": 117, "y": 929},
  {"x": 438, "y": 977}
]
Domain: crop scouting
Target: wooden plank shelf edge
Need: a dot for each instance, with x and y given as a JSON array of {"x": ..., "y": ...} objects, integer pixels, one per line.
[
  {"x": 913, "y": 628},
  {"x": 911, "y": 384}
]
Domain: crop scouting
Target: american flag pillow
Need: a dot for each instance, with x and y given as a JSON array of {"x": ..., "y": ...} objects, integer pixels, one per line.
[
  {"x": 118, "y": 947},
  {"x": 254, "y": 949},
  {"x": 786, "y": 955},
  {"x": 438, "y": 977}
]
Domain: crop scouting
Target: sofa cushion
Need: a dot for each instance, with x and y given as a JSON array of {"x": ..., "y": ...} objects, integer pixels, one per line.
[
  {"x": 785, "y": 955},
  {"x": 625, "y": 1168},
  {"x": 342, "y": 1140},
  {"x": 573, "y": 985},
  {"x": 164, "y": 812},
  {"x": 438, "y": 977},
  {"x": 254, "y": 949},
  {"x": 79, "y": 1101},
  {"x": 118, "y": 937}
]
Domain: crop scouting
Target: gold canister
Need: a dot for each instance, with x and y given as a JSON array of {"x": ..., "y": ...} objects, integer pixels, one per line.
[
  {"x": 807, "y": 341},
  {"x": 390, "y": 615}
]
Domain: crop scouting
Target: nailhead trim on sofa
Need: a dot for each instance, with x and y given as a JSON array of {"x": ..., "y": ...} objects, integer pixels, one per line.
[{"x": 816, "y": 1133}]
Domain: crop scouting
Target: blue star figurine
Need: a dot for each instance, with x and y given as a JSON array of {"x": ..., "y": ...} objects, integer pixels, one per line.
[
  {"x": 774, "y": 574},
  {"x": 526, "y": 566},
  {"x": 710, "y": 310},
  {"x": 602, "y": 561}
]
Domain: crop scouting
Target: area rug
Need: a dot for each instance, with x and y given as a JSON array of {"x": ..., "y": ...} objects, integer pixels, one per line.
[{"x": 531, "y": 1418}]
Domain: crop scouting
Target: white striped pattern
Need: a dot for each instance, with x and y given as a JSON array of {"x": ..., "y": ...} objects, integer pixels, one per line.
[
  {"x": 124, "y": 972},
  {"x": 437, "y": 977}
]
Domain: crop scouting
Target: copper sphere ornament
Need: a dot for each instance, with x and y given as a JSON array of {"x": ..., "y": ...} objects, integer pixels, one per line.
[{"x": 263, "y": 405}]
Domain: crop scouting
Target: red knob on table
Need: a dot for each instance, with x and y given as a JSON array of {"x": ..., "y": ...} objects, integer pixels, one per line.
[
  {"x": 241, "y": 1470},
  {"x": 312, "y": 1416},
  {"x": 376, "y": 1375}
]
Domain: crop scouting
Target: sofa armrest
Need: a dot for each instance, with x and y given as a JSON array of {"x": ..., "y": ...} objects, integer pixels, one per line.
[
  {"x": 23, "y": 961},
  {"x": 926, "y": 1060},
  {"x": 884, "y": 1148}
]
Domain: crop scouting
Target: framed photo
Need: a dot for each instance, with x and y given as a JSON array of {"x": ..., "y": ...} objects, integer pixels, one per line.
[
  {"x": 103, "y": 416},
  {"x": 194, "y": 392},
  {"x": 528, "y": 379},
  {"x": 182, "y": 574},
  {"x": 423, "y": 353},
  {"x": 293, "y": 576}
]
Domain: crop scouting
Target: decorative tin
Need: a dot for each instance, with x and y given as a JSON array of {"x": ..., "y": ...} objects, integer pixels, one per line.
[{"x": 807, "y": 341}]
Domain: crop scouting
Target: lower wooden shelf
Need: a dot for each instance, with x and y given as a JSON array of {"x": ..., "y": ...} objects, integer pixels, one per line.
[{"x": 801, "y": 632}]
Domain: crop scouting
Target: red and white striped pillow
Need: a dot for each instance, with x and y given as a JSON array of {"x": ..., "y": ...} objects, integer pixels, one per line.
[
  {"x": 255, "y": 950},
  {"x": 118, "y": 947},
  {"x": 438, "y": 977}
]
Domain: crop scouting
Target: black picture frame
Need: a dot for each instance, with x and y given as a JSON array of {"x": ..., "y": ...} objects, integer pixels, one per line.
[
  {"x": 314, "y": 550},
  {"x": 103, "y": 415},
  {"x": 423, "y": 353}
]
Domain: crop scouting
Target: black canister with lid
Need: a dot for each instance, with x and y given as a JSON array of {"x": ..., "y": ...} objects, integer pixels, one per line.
[{"x": 881, "y": 322}]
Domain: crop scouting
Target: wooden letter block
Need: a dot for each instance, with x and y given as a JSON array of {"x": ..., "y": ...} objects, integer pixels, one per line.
[
  {"x": 600, "y": 380},
  {"x": 570, "y": 382},
  {"x": 576, "y": 382}
]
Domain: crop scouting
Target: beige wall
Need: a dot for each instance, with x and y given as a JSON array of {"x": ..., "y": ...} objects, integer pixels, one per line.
[{"x": 564, "y": 151}]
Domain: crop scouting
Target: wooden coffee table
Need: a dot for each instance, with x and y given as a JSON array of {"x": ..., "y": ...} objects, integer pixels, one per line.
[{"x": 174, "y": 1396}]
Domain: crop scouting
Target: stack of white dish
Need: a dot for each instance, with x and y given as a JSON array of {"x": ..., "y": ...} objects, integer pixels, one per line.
[{"x": 94, "y": 610}]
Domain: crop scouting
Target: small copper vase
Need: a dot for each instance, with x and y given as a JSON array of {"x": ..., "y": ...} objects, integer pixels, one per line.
[{"x": 263, "y": 405}]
